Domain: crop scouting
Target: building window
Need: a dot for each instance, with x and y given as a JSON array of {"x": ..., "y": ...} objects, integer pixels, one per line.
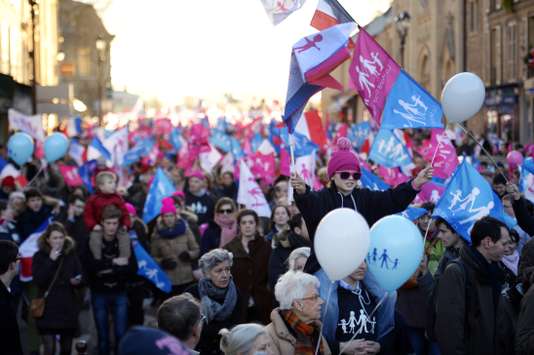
[
  {"x": 473, "y": 16},
  {"x": 511, "y": 51},
  {"x": 495, "y": 56},
  {"x": 84, "y": 61},
  {"x": 425, "y": 73}
]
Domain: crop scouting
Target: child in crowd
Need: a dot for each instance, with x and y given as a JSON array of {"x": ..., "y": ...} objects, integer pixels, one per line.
[{"x": 106, "y": 194}]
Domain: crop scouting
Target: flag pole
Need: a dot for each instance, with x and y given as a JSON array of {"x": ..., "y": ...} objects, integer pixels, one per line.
[
  {"x": 484, "y": 150},
  {"x": 345, "y": 12}
]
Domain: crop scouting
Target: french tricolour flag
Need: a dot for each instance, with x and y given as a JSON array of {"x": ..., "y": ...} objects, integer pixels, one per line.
[
  {"x": 28, "y": 249},
  {"x": 329, "y": 13}
]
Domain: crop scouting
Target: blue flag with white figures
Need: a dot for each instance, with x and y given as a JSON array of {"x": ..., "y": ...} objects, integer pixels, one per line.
[
  {"x": 236, "y": 149},
  {"x": 160, "y": 188},
  {"x": 409, "y": 105},
  {"x": 142, "y": 148},
  {"x": 176, "y": 138},
  {"x": 86, "y": 171},
  {"x": 413, "y": 213},
  {"x": 148, "y": 268},
  {"x": 358, "y": 133},
  {"x": 256, "y": 141},
  {"x": 303, "y": 146},
  {"x": 388, "y": 150},
  {"x": 221, "y": 140},
  {"x": 467, "y": 198},
  {"x": 526, "y": 181},
  {"x": 371, "y": 181}
]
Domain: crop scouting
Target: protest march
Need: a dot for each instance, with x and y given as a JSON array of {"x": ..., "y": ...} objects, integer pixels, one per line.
[{"x": 282, "y": 231}]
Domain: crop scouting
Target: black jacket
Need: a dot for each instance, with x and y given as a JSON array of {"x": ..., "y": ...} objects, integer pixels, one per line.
[
  {"x": 9, "y": 329},
  {"x": 211, "y": 238},
  {"x": 202, "y": 206},
  {"x": 466, "y": 308},
  {"x": 278, "y": 260},
  {"x": 507, "y": 314},
  {"x": 61, "y": 306},
  {"x": 77, "y": 230},
  {"x": 524, "y": 340},
  {"x": 29, "y": 221},
  {"x": 106, "y": 277},
  {"x": 372, "y": 205},
  {"x": 524, "y": 219}
]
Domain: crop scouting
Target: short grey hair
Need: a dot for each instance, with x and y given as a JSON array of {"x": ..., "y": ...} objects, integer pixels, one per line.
[
  {"x": 240, "y": 339},
  {"x": 302, "y": 252},
  {"x": 213, "y": 258},
  {"x": 292, "y": 286}
]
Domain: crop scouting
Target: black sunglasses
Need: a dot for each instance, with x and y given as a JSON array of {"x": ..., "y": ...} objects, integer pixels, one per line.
[
  {"x": 344, "y": 175},
  {"x": 225, "y": 211}
]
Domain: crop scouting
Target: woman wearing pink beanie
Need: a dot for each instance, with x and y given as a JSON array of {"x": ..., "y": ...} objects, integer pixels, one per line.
[{"x": 174, "y": 247}]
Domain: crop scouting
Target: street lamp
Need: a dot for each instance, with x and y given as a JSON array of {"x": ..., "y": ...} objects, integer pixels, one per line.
[
  {"x": 402, "y": 23},
  {"x": 100, "y": 48}
]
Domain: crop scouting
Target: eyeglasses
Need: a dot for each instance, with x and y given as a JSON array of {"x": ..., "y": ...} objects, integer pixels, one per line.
[
  {"x": 311, "y": 298},
  {"x": 225, "y": 211},
  {"x": 344, "y": 175}
]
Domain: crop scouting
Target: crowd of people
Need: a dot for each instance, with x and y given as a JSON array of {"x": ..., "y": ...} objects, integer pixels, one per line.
[{"x": 245, "y": 284}]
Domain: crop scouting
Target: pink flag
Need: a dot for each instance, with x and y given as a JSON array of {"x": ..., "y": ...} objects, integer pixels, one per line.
[
  {"x": 285, "y": 162},
  {"x": 373, "y": 73},
  {"x": 263, "y": 166},
  {"x": 446, "y": 160},
  {"x": 430, "y": 192},
  {"x": 392, "y": 176},
  {"x": 71, "y": 176}
]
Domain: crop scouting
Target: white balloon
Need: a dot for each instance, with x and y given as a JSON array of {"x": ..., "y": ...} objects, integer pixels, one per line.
[
  {"x": 462, "y": 97},
  {"x": 341, "y": 242}
]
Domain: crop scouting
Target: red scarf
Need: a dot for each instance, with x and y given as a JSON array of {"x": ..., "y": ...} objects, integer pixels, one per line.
[
  {"x": 228, "y": 226},
  {"x": 307, "y": 334}
]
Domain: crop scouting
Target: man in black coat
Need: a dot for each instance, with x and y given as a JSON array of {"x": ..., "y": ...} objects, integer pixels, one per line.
[{"x": 9, "y": 329}]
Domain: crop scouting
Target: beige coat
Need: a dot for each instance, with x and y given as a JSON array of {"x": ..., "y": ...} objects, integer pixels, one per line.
[
  {"x": 283, "y": 341},
  {"x": 163, "y": 248}
]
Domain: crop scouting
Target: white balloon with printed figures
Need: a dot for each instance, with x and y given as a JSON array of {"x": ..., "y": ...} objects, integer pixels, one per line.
[
  {"x": 341, "y": 242},
  {"x": 395, "y": 252},
  {"x": 462, "y": 97}
]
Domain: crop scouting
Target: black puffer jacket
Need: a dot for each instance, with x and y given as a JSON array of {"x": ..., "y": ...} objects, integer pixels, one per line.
[
  {"x": 61, "y": 309},
  {"x": 372, "y": 205}
]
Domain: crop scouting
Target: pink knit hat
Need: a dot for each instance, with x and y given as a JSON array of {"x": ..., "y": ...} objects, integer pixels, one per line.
[
  {"x": 343, "y": 159},
  {"x": 167, "y": 206},
  {"x": 130, "y": 208},
  {"x": 196, "y": 173}
]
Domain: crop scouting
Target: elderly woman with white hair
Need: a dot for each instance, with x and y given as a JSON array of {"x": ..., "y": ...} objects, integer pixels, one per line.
[
  {"x": 295, "y": 326},
  {"x": 297, "y": 259},
  {"x": 221, "y": 304},
  {"x": 246, "y": 339}
]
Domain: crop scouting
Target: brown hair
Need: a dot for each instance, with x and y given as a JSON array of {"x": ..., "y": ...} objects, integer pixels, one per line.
[
  {"x": 52, "y": 227},
  {"x": 225, "y": 201},
  {"x": 111, "y": 212},
  {"x": 247, "y": 212},
  {"x": 178, "y": 315}
]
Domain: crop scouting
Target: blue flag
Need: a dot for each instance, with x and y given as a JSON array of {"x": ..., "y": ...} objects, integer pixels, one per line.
[
  {"x": 142, "y": 148},
  {"x": 526, "y": 181},
  {"x": 409, "y": 105},
  {"x": 160, "y": 188},
  {"x": 413, "y": 213},
  {"x": 257, "y": 139},
  {"x": 372, "y": 182},
  {"x": 388, "y": 150},
  {"x": 221, "y": 140},
  {"x": 97, "y": 145},
  {"x": 175, "y": 138},
  {"x": 358, "y": 133},
  {"x": 236, "y": 149},
  {"x": 86, "y": 171},
  {"x": 467, "y": 198},
  {"x": 148, "y": 268},
  {"x": 222, "y": 124},
  {"x": 303, "y": 146}
]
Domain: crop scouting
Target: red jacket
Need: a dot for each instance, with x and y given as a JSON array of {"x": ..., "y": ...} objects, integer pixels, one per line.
[{"x": 96, "y": 203}]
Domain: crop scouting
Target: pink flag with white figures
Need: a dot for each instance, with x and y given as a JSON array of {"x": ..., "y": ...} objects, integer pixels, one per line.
[
  {"x": 70, "y": 175},
  {"x": 263, "y": 166},
  {"x": 373, "y": 73},
  {"x": 285, "y": 162},
  {"x": 430, "y": 192},
  {"x": 305, "y": 166},
  {"x": 392, "y": 176},
  {"x": 250, "y": 193},
  {"x": 446, "y": 160}
]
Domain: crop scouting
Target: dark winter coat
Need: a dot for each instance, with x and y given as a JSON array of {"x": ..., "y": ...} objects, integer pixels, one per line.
[
  {"x": 210, "y": 338},
  {"x": 61, "y": 305},
  {"x": 29, "y": 221},
  {"x": 507, "y": 314},
  {"x": 250, "y": 272},
  {"x": 78, "y": 231},
  {"x": 103, "y": 275},
  {"x": 202, "y": 206},
  {"x": 279, "y": 255},
  {"x": 466, "y": 308},
  {"x": 211, "y": 238},
  {"x": 9, "y": 330},
  {"x": 524, "y": 219},
  {"x": 372, "y": 205},
  {"x": 524, "y": 340}
]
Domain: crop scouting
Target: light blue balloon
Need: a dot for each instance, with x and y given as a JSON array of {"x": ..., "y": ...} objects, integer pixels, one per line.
[
  {"x": 55, "y": 147},
  {"x": 20, "y": 147},
  {"x": 396, "y": 251}
]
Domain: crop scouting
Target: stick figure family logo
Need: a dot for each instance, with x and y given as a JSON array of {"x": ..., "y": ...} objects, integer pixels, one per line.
[
  {"x": 460, "y": 204},
  {"x": 310, "y": 43},
  {"x": 383, "y": 259},
  {"x": 369, "y": 67},
  {"x": 412, "y": 112},
  {"x": 150, "y": 273},
  {"x": 365, "y": 323},
  {"x": 392, "y": 148}
]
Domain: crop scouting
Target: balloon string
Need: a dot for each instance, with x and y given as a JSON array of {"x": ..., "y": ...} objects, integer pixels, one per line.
[
  {"x": 435, "y": 153},
  {"x": 36, "y": 175},
  {"x": 485, "y": 152},
  {"x": 369, "y": 317},
  {"x": 324, "y": 315},
  {"x": 426, "y": 232}
]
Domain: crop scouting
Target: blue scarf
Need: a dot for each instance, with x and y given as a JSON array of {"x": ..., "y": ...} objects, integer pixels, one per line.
[{"x": 174, "y": 232}]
